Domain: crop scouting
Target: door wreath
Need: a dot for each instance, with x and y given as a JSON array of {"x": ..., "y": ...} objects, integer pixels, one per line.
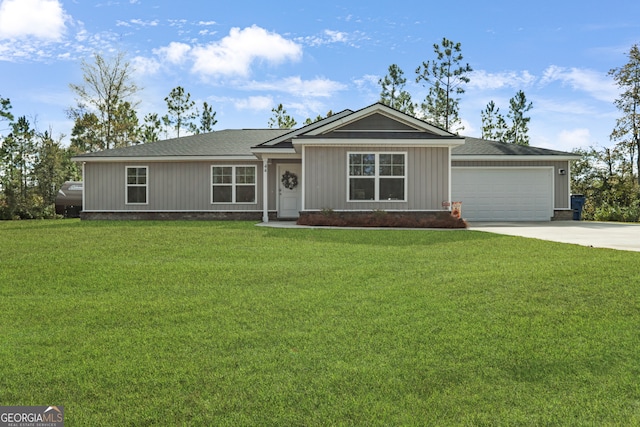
[{"x": 289, "y": 180}]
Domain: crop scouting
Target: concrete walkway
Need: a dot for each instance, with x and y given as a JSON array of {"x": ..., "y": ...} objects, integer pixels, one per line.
[{"x": 612, "y": 235}]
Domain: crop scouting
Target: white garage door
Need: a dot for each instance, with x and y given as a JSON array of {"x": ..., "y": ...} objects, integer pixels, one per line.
[{"x": 503, "y": 194}]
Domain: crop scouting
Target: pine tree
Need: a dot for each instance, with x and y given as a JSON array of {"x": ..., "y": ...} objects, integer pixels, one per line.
[
  {"x": 518, "y": 132},
  {"x": 17, "y": 155},
  {"x": 207, "y": 118},
  {"x": 51, "y": 169},
  {"x": 126, "y": 126},
  {"x": 445, "y": 76},
  {"x": 281, "y": 119},
  {"x": 150, "y": 130},
  {"x": 86, "y": 135},
  {"x": 5, "y": 106},
  {"x": 181, "y": 110},
  {"x": 392, "y": 91},
  {"x": 627, "y": 129},
  {"x": 494, "y": 126},
  {"x": 319, "y": 117}
]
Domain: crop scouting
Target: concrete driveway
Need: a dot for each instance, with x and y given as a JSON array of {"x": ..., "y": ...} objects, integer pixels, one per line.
[{"x": 611, "y": 235}]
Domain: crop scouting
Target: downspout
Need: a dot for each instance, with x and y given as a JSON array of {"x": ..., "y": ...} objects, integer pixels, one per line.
[
  {"x": 84, "y": 187},
  {"x": 568, "y": 187},
  {"x": 265, "y": 190},
  {"x": 302, "y": 204},
  {"x": 450, "y": 166}
]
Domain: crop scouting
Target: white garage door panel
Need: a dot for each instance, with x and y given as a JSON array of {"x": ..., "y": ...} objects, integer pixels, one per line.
[{"x": 501, "y": 194}]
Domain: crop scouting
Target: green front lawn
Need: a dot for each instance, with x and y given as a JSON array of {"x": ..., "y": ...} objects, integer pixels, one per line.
[{"x": 225, "y": 323}]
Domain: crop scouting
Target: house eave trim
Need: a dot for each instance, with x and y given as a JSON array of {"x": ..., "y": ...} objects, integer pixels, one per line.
[
  {"x": 273, "y": 150},
  {"x": 171, "y": 211},
  {"x": 327, "y": 142},
  {"x": 150, "y": 159},
  {"x": 507, "y": 158}
]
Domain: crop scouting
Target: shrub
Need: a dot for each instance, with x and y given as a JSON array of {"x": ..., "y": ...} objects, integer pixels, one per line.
[
  {"x": 609, "y": 212},
  {"x": 381, "y": 218}
]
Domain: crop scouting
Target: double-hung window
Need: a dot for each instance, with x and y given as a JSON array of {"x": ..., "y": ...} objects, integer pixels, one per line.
[
  {"x": 137, "y": 187},
  {"x": 233, "y": 184},
  {"x": 377, "y": 176}
]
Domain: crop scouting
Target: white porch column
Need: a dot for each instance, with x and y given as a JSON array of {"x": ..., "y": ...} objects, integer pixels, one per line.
[
  {"x": 84, "y": 186},
  {"x": 265, "y": 190}
]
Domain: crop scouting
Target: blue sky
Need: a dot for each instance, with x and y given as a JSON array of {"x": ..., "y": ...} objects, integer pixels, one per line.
[{"x": 244, "y": 58}]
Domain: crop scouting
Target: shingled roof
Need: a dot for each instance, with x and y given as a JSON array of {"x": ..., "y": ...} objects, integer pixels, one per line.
[
  {"x": 232, "y": 142},
  {"x": 484, "y": 147}
]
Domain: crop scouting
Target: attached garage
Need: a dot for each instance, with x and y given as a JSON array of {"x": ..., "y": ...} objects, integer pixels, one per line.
[
  {"x": 504, "y": 194},
  {"x": 496, "y": 181}
]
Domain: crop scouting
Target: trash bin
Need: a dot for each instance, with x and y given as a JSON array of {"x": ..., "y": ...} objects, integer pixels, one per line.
[{"x": 577, "y": 203}]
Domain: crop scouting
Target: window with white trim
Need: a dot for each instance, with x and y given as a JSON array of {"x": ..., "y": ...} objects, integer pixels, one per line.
[
  {"x": 377, "y": 176},
  {"x": 233, "y": 184},
  {"x": 137, "y": 188}
]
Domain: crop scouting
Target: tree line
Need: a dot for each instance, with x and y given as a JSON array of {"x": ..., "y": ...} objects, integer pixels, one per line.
[
  {"x": 105, "y": 116},
  {"x": 609, "y": 176},
  {"x": 33, "y": 165}
]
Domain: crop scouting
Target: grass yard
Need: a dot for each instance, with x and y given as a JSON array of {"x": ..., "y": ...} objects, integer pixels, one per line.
[{"x": 225, "y": 323}]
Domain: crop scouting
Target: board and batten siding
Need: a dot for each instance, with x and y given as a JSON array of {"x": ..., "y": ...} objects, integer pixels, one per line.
[
  {"x": 172, "y": 186},
  {"x": 325, "y": 186},
  {"x": 562, "y": 186}
]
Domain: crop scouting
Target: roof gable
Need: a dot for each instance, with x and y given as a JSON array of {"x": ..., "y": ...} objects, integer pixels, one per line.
[
  {"x": 376, "y": 121},
  {"x": 379, "y": 118},
  {"x": 292, "y": 133}
]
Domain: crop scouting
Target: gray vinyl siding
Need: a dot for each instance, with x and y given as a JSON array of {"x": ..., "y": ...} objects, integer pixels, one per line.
[
  {"x": 561, "y": 182},
  {"x": 172, "y": 186},
  {"x": 376, "y": 122},
  {"x": 325, "y": 171}
]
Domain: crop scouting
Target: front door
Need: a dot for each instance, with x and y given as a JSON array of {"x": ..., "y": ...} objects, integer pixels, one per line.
[{"x": 289, "y": 190}]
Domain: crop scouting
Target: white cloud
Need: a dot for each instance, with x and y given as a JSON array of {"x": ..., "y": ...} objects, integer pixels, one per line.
[
  {"x": 145, "y": 66},
  {"x": 138, "y": 22},
  {"x": 177, "y": 22},
  {"x": 367, "y": 80},
  {"x": 564, "y": 140},
  {"x": 484, "y": 80},
  {"x": 319, "y": 87},
  {"x": 336, "y": 36},
  {"x": 175, "y": 53},
  {"x": 235, "y": 53},
  {"x": 466, "y": 128},
  {"x": 142, "y": 23},
  {"x": 596, "y": 84},
  {"x": 41, "y": 19},
  {"x": 330, "y": 37},
  {"x": 257, "y": 103},
  {"x": 206, "y": 32},
  {"x": 563, "y": 106},
  {"x": 575, "y": 138}
]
